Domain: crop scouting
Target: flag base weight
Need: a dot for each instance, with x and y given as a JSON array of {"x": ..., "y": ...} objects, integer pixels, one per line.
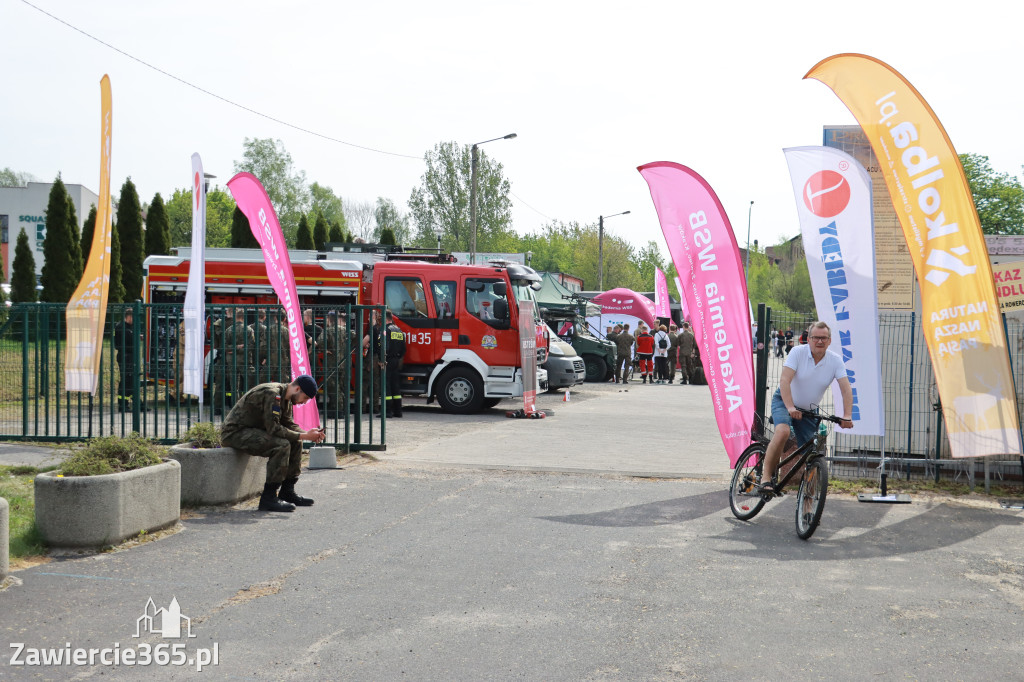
[{"x": 884, "y": 497}]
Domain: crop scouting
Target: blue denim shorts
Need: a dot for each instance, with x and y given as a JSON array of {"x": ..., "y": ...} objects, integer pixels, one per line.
[{"x": 803, "y": 429}]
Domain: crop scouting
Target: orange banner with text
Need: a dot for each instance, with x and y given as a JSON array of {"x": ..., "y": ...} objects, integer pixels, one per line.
[
  {"x": 87, "y": 308},
  {"x": 960, "y": 312}
]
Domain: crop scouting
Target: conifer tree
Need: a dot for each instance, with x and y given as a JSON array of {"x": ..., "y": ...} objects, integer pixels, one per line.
[
  {"x": 158, "y": 228},
  {"x": 241, "y": 235},
  {"x": 58, "y": 279},
  {"x": 320, "y": 233},
  {"x": 129, "y": 231},
  {"x": 77, "y": 259},
  {"x": 115, "y": 288},
  {"x": 88, "y": 228},
  {"x": 387, "y": 236},
  {"x": 304, "y": 236},
  {"x": 337, "y": 235},
  {"x": 23, "y": 272}
]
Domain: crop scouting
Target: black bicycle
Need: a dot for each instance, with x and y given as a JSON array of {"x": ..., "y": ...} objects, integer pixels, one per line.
[{"x": 747, "y": 498}]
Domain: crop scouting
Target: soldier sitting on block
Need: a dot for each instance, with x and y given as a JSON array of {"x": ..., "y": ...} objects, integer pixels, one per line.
[{"x": 261, "y": 424}]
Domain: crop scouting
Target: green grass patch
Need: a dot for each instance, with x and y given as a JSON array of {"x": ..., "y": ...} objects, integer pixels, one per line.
[
  {"x": 202, "y": 435},
  {"x": 17, "y": 486},
  {"x": 895, "y": 485},
  {"x": 111, "y": 455}
]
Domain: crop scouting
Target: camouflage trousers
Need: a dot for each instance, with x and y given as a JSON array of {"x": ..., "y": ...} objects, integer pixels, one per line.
[{"x": 285, "y": 456}]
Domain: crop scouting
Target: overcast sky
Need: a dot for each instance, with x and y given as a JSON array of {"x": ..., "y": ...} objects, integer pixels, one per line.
[{"x": 593, "y": 90}]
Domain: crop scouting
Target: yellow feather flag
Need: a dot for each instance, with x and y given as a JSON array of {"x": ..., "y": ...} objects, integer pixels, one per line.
[
  {"x": 87, "y": 309},
  {"x": 960, "y": 311}
]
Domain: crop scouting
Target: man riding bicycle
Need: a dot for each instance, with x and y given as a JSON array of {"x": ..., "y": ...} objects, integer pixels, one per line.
[{"x": 807, "y": 373}]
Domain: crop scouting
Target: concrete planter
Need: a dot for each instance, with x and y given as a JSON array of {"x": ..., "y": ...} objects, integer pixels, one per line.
[
  {"x": 96, "y": 511},
  {"x": 218, "y": 475}
]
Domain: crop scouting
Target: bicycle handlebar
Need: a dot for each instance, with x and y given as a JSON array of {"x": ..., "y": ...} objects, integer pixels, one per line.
[{"x": 819, "y": 416}]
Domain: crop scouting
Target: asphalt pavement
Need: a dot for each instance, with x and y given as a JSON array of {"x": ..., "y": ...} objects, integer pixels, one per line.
[{"x": 594, "y": 544}]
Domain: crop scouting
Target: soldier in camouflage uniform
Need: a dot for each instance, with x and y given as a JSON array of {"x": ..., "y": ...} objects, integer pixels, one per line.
[
  {"x": 338, "y": 344},
  {"x": 278, "y": 364},
  {"x": 673, "y": 351},
  {"x": 624, "y": 354},
  {"x": 258, "y": 357},
  {"x": 261, "y": 424},
  {"x": 373, "y": 363},
  {"x": 687, "y": 344},
  {"x": 239, "y": 343}
]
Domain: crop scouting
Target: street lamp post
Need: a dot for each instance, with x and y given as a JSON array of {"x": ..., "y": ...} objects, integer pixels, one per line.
[
  {"x": 600, "y": 248},
  {"x": 472, "y": 194},
  {"x": 746, "y": 266}
]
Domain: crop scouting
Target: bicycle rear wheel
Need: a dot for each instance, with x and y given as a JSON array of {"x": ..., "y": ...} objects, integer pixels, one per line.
[
  {"x": 744, "y": 499},
  {"x": 810, "y": 498}
]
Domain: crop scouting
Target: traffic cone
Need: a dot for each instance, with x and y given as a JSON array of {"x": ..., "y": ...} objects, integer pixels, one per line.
[{"x": 565, "y": 396}]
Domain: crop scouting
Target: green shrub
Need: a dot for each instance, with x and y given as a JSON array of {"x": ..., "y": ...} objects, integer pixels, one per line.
[
  {"x": 110, "y": 455},
  {"x": 202, "y": 435}
]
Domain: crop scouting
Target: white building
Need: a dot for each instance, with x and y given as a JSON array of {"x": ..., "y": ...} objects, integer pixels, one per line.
[{"x": 24, "y": 208}]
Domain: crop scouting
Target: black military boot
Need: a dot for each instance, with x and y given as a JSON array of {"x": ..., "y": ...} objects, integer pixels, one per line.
[
  {"x": 288, "y": 494},
  {"x": 270, "y": 502}
]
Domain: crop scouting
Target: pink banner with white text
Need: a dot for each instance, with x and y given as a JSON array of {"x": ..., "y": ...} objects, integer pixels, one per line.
[
  {"x": 253, "y": 201},
  {"x": 704, "y": 251},
  {"x": 661, "y": 305}
]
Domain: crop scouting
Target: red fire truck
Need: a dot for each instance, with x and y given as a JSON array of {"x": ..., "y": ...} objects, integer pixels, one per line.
[{"x": 461, "y": 322}]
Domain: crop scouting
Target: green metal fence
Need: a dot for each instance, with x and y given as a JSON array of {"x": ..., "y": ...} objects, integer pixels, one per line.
[
  {"x": 914, "y": 442},
  {"x": 140, "y": 372}
]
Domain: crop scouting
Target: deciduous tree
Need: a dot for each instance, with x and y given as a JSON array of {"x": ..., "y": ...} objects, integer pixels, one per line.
[
  {"x": 999, "y": 197},
  {"x": 387, "y": 216},
  {"x": 442, "y": 199},
  {"x": 268, "y": 160}
]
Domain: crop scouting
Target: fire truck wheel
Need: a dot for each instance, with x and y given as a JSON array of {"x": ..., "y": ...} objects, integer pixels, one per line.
[
  {"x": 461, "y": 391},
  {"x": 597, "y": 368}
]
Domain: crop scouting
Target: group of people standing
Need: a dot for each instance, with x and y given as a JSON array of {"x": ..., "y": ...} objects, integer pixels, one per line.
[{"x": 657, "y": 351}]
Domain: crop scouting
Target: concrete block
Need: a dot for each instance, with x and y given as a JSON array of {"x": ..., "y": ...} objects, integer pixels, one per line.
[
  {"x": 323, "y": 457},
  {"x": 218, "y": 475},
  {"x": 96, "y": 511},
  {"x": 5, "y": 540}
]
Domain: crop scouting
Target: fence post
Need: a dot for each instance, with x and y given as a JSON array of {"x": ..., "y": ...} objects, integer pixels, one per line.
[
  {"x": 24, "y": 370},
  {"x": 138, "y": 325},
  {"x": 910, "y": 392},
  {"x": 764, "y": 320}
]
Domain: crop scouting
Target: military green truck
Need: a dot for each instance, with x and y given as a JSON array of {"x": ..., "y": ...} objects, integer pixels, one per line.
[{"x": 566, "y": 312}]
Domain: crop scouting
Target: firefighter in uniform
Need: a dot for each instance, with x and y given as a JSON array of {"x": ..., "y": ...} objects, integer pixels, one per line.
[
  {"x": 124, "y": 345},
  {"x": 395, "y": 355},
  {"x": 261, "y": 424}
]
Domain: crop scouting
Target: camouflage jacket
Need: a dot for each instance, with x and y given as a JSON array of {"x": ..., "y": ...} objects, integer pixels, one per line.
[{"x": 263, "y": 407}]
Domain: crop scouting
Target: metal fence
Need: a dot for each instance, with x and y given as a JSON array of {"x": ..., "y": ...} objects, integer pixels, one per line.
[
  {"x": 914, "y": 443},
  {"x": 140, "y": 372}
]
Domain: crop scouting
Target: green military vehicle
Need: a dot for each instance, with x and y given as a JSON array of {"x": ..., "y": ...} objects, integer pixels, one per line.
[{"x": 566, "y": 312}]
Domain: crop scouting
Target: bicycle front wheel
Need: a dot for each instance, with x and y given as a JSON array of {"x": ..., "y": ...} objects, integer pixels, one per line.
[
  {"x": 744, "y": 498},
  {"x": 810, "y": 498}
]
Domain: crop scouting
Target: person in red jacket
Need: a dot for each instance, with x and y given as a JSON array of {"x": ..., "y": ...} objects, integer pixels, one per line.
[{"x": 645, "y": 351}]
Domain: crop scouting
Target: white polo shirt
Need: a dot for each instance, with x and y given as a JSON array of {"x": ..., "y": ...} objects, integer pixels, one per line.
[{"x": 812, "y": 379}]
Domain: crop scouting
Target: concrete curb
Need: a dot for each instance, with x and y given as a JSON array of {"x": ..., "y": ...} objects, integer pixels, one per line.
[
  {"x": 5, "y": 540},
  {"x": 218, "y": 475},
  {"x": 96, "y": 511}
]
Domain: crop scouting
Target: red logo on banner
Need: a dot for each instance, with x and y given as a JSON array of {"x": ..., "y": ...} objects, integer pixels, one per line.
[{"x": 826, "y": 194}]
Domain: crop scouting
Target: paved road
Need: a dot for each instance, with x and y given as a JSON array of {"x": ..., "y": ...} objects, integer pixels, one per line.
[{"x": 425, "y": 566}]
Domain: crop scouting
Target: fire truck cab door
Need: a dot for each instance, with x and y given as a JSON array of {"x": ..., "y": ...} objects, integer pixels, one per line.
[
  {"x": 488, "y": 327},
  {"x": 406, "y": 298}
]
